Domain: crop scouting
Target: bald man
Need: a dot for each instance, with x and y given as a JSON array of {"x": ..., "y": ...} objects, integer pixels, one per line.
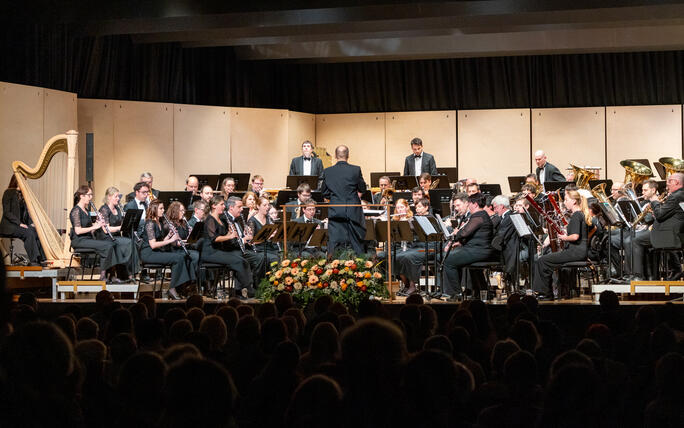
[
  {"x": 545, "y": 171},
  {"x": 341, "y": 184}
]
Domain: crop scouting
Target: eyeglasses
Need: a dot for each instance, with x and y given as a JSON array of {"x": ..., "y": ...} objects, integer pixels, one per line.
[{"x": 89, "y": 194}]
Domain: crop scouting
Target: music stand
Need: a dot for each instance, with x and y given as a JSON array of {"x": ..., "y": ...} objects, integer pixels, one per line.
[
  {"x": 183, "y": 197},
  {"x": 594, "y": 183},
  {"x": 427, "y": 232},
  {"x": 662, "y": 186},
  {"x": 370, "y": 231},
  {"x": 196, "y": 233},
  {"x": 285, "y": 196},
  {"x": 404, "y": 182},
  {"x": 207, "y": 180},
  {"x": 131, "y": 222},
  {"x": 241, "y": 180},
  {"x": 523, "y": 230},
  {"x": 439, "y": 197},
  {"x": 375, "y": 177},
  {"x": 451, "y": 173},
  {"x": 552, "y": 186},
  {"x": 367, "y": 196},
  {"x": 300, "y": 234},
  {"x": 401, "y": 195},
  {"x": 661, "y": 170},
  {"x": 516, "y": 182},
  {"x": 322, "y": 212},
  {"x": 319, "y": 238},
  {"x": 262, "y": 237},
  {"x": 293, "y": 181},
  {"x": 490, "y": 189}
]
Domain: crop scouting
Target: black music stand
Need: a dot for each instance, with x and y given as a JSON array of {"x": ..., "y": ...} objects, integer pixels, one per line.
[
  {"x": 400, "y": 231},
  {"x": 375, "y": 177},
  {"x": 370, "y": 231},
  {"x": 402, "y": 195},
  {"x": 404, "y": 182},
  {"x": 427, "y": 230},
  {"x": 611, "y": 218},
  {"x": 490, "y": 189},
  {"x": 241, "y": 180},
  {"x": 263, "y": 236},
  {"x": 300, "y": 234},
  {"x": 661, "y": 170},
  {"x": 293, "y": 181},
  {"x": 319, "y": 239},
  {"x": 129, "y": 228},
  {"x": 196, "y": 233},
  {"x": 208, "y": 180},
  {"x": 552, "y": 186},
  {"x": 439, "y": 197},
  {"x": 183, "y": 197},
  {"x": 516, "y": 182},
  {"x": 451, "y": 173},
  {"x": 594, "y": 183}
]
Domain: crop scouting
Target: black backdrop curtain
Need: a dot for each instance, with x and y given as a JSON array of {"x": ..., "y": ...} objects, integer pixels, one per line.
[{"x": 115, "y": 68}]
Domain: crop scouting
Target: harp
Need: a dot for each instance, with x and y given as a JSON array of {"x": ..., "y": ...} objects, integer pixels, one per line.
[{"x": 57, "y": 249}]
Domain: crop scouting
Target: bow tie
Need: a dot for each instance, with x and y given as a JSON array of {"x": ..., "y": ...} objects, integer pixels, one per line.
[
  {"x": 417, "y": 156},
  {"x": 307, "y": 159}
]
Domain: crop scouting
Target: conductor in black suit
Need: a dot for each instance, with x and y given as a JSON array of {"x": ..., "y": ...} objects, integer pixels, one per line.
[
  {"x": 545, "y": 171},
  {"x": 419, "y": 162},
  {"x": 307, "y": 163},
  {"x": 341, "y": 184}
]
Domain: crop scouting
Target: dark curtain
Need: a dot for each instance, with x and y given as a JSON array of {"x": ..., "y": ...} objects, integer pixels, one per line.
[{"x": 114, "y": 67}]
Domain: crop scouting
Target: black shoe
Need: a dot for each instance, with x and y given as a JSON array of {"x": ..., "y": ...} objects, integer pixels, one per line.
[
  {"x": 145, "y": 279},
  {"x": 173, "y": 294}
]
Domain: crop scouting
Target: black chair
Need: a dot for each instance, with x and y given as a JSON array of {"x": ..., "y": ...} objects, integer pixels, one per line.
[
  {"x": 220, "y": 272},
  {"x": 156, "y": 267},
  {"x": 577, "y": 268},
  {"x": 486, "y": 267},
  {"x": 666, "y": 245},
  {"x": 84, "y": 255}
]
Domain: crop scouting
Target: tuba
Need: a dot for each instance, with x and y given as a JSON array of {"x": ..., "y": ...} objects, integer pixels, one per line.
[
  {"x": 582, "y": 177},
  {"x": 672, "y": 165},
  {"x": 635, "y": 174},
  {"x": 599, "y": 192}
]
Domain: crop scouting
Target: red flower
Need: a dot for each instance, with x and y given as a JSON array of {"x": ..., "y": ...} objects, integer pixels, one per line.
[
  {"x": 364, "y": 288},
  {"x": 319, "y": 271},
  {"x": 288, "y": 288},
  {"x": 336, "y": 271},
  {"x": 294, "y": 265},
  {"x": 325, "y": 285},
  {"x": 353, "y": 267}
]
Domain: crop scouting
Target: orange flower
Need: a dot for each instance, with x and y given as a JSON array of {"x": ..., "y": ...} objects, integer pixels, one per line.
[
  {"x": 367, "y": 275},
  {"x": 359, "y": 284},
  {"x": 275, "y": 282},
  {"x": 343, "y": 286}
]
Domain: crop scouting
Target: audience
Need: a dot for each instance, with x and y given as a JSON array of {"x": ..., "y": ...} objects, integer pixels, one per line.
[{"x": 276, "y": 365}]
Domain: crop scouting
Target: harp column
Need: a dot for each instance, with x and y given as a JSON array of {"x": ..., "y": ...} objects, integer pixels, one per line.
[{"x": 72, "y": 142}]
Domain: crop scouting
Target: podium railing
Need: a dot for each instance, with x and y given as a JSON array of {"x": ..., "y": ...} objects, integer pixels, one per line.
[{"x": 388, "y": 249}]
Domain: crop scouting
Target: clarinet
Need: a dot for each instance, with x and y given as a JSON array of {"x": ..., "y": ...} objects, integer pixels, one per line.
[
  {"x": 232, "y": 228},
  {"x": 100, "y": 217},
  {"x": 188, "y": 224},
  {"x": 174, "y": 231}
]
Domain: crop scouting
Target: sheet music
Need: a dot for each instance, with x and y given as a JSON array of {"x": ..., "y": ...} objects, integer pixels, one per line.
[
  {"x": 520, "y": 225},
  {"x": 425, "y": 224},
  {"x": 441, "y": 223},
  {"x": 681, "y": 205}
]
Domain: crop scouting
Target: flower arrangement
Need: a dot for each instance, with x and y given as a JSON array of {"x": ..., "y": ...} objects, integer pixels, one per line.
[{"x": 348, "y": 280}]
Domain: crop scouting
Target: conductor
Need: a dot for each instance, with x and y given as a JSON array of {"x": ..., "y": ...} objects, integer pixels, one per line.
[{"x": 341, "y": 184}]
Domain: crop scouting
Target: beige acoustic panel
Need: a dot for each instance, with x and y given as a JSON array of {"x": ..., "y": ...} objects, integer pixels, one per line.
[
  {"x": 642, "y": 132},
  {"x": 437, "y": 129},
  {"x": 97, "y": 117},
  {"x": 21, "y": 127},
  {"x": 201, "y": 141},
  {"x": 300, "y": 127},
  {"x": 258, "y": 144},
  {"x": 363, "y": 133},
  {"x": 60, "y": 116},
  {"x": 571, "y": 135},
  {"x": 493, "y": 145},
  {"x": 143, "y": 142}
]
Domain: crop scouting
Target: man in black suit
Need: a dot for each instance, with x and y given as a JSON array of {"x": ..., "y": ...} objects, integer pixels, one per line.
[
  {"x": 545, "y": 171},
  {"x": 307, "y": 163},
  {"x": 308, "y": 216},
  {"x": 295, "y": 207},
  {"x": 341, "y": 184},
  {"x": 139, "y": 201},
  {"x": 506, "y": 237},
  {"x": 146, "y": 178},
  {"x": 419, "y": 162}
]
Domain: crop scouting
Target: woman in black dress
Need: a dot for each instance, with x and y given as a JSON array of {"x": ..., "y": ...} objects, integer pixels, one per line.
[
  {"x": 576, "y": 245},
  {"x": 220, "y": 245},
  {"x": 256, "y": 222},
  {"x": 84, "y": 234},
  {"x": 408, "y": 263},
  {"x": 158, "y": 247},
  {"x": 113, "y": 217},
  {"x": 472, "y": 243},
  {"x": 176, "y": 215},
  {"x": 16, "y": 222}
]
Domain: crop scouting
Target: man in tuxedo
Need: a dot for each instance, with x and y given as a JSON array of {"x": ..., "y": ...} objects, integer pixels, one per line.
[
  {"x": 545, "y": 170},
  {"x": 255, "y": 259},
  {"x": 141, "y": 192},
  {"x": 296, "y": 207},
  {"x": 383, "y": 183},
  {"x": 307, "y": 163},
  {"x": 146, "y": 178},
  {"x": 419, "y": 162},
  {"x": 198, "y": 214},
  {"x": 341, "y": 184},
  {"x": 505, "y": 238}
]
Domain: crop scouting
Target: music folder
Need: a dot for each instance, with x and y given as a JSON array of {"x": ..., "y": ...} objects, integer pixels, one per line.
[
  {"x": 131, "y": 221},
  {"x": 520, "y": 225}
]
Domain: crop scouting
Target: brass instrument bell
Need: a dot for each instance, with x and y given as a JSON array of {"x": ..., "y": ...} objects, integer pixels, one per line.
[
  {"x": 582, "y": 177},
  {"x": 635, "y": 172},
  {"x": 672, "y": 165}
]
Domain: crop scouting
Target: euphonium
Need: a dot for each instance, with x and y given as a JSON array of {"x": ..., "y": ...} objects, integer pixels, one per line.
[
  {"x": 672, "y": 165},
  {"x": 582, "y": 177},
  {"x": 635, "y": 172},
  {"x": 599, "y": 192}
]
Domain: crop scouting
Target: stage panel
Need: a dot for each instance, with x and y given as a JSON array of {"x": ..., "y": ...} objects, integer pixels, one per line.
[
  {"x": 642, "y": 132},
  {"x": 258, "y": 143},
  {"x": 437, "y": 129},
  {"x": 570, "y": 135},
  {"x": 201, "y": 141},
  {"x": 300, "y": 127},
  {"x": 97, "y": 117},
  {"x": 363, "y": 133},
  {"x": 494, "y": 144},
  {"x": 143, "y": 142}
]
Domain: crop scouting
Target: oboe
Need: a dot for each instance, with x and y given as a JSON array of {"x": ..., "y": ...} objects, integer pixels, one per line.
[
  {"x": 174, "y": 231},
  {"x": 100, "y": 218}
]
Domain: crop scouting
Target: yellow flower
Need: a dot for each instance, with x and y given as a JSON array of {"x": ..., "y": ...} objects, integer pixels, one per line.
[
  {"x": 304, "y": 270},
  {"x": 367, "y": 275},
  {"x": 275, "y": 283}
]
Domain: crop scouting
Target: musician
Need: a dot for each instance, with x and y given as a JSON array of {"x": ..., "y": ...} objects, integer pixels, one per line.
[
  {"x": 489, "y": 209},
  {"x": 341, "y": 182},
  {"x": 192, "y": 184},
  {"x": 244, "y": 233},
  {"x": 419, "y": 162},
  {"x": 273, "y": 214},
  {"x": 227, "y": 187},
  {"x": 460, "y": 202},
  {"x": 257, "y": 186},
  {"x": 425, "y": 182},
  {"x": 16, "y": 222},
  {"x": 307, "y": 163},
  {"x": 249, "y": 201},
  {"x": 545, "y": 170},
  {"x": 83, "y": 236},
  {"x": 469, "y": 244},
  {"x": 409, "y": 262},
  {"x": 139, "y": 201},
  {"x": 402, "y": 211},
  {"x": 199, "y": 212},
  {"x": 384, "y": 183},
  {"x": 505, "y": 237},
  {"x": 528, "y": 189},
  {"x": 220, "y": 245},
  {"x": 303, "y": 195},
  {"x": 617, "y": 191},
  {"x": 158, "y": 246},
  {"x": 532, "y": 179},
  {"x": 472, "y": 188},
  {"x": 259, "y": 220},
  {"x": 308, "y": 213},
  {"x": 668, "y": 221},
  {"x": 146, "y": 178},
  {"x": 207, "y": 194},
  {"x": 112, "y": 214},
  {"x": 576, "y": 250},
  {"x": 176, "y": 215}
]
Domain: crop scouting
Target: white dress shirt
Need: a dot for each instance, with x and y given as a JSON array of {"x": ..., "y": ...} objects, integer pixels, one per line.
[
  {"x": 306, "y": 162},
  {"x": 418, "y": 162}
]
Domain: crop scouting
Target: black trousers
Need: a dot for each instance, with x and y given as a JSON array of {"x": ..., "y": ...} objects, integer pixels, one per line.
[
  {"x": 31, "y": 242},
  {"x": 459, "y": 257},
  {"x": 344, "y": 233},
  {"x": 104, "y": 248},
  {"x": 181, "y": 271},
  {"x": 234, "y": 261},
  {"x": 546, "y": 265}
]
